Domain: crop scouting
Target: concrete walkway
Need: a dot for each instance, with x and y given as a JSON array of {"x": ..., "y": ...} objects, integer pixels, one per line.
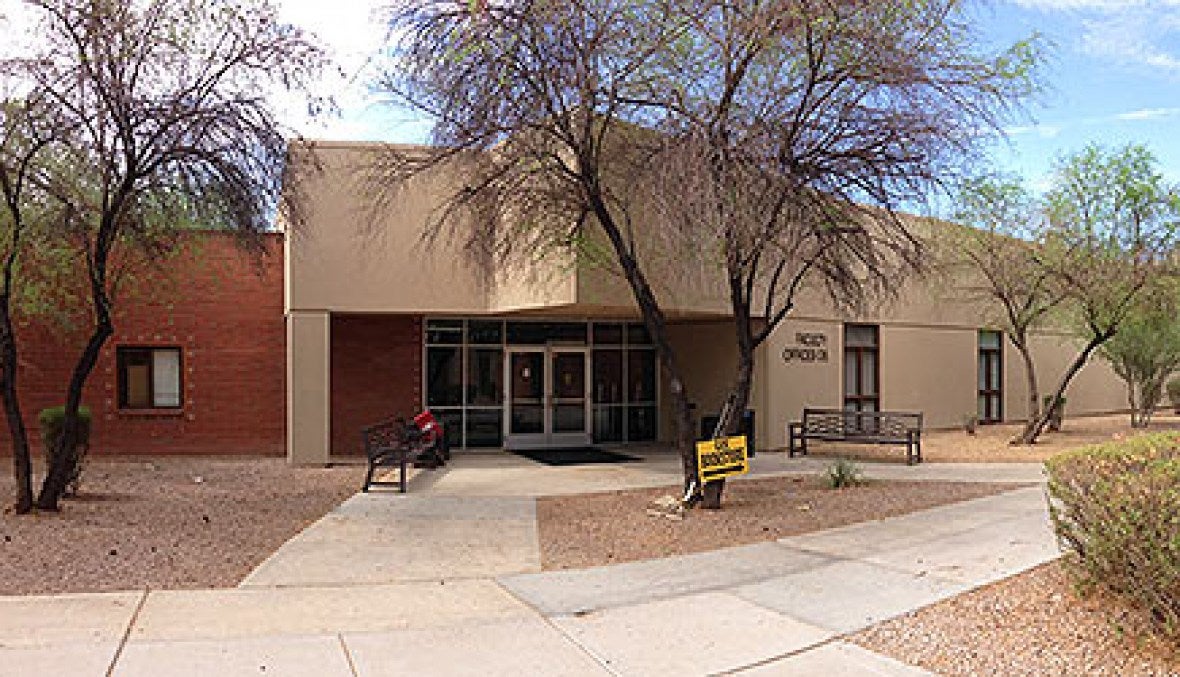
[{"x": 434, "y": 583}]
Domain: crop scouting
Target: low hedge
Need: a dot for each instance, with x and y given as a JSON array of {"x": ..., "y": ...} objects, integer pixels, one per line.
[{"x": 1116, "y": 510}]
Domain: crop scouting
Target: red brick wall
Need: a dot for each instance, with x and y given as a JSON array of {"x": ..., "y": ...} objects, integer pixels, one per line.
[
  {"x": 224, "y": 308},
  {"x": 376, "y": 373}
]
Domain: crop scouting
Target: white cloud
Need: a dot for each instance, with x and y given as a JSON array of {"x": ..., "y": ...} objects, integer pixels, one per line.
[
  {"x": 1144, "y": 34},
  {"x": 1148, "y": 114},
  {"x": 1043, "y": 131}
]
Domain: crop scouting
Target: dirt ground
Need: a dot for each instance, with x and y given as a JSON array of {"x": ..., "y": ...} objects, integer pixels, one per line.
[
  {"x": 1030, "y": 624},
  {"x": 990, "y": 442},
  {"x": 606, "y": 528},
  {"x": 174, "y": 522}
]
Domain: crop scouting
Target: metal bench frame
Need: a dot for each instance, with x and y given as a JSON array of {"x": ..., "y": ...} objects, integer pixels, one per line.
[
  {"x": 397, "y": 443},
  {"x": 858, "y": 427}
]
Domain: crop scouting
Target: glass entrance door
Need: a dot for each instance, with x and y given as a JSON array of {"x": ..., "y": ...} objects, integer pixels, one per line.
[{"x": 548, "y": 398}]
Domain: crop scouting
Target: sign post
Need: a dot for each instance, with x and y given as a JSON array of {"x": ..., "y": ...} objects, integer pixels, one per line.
[{"x": 722, "y": 457}]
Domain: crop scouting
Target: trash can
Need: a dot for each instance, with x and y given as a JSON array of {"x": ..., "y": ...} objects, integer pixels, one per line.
[{"x": 709, "y": 424}]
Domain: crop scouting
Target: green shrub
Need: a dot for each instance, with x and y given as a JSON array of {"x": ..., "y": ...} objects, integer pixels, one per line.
[
  {"x": 51, "y": 421},
  {"x": 1116, "y": 510},
  {"x": 843, "y": 473}
]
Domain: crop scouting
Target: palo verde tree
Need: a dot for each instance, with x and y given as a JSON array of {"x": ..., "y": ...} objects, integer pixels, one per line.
[
  {"x": 1146, "y": 349},
  {"x": 28, "y": 129},
  {"x": 1112, "y": 234},
  {"x": 167, "y": 102},
  {"x": 794, "y": 131},
  {"x": 537, "y": 99},
  {"x": 992, "y": 261}
]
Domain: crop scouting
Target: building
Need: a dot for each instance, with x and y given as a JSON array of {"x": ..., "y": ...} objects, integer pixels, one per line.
[
  {"x": 353, "y": 319},
  {"x": 553, "y": 354}
]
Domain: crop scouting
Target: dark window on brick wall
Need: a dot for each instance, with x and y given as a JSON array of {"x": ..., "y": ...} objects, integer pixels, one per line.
[{"x": 149, "y": 378}]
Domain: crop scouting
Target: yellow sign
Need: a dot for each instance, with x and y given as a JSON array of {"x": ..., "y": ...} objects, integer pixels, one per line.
[{"x": 722, "y": 457}]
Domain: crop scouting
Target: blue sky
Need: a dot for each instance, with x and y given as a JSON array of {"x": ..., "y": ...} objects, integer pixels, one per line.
[{"x": 1113, "y": 78}]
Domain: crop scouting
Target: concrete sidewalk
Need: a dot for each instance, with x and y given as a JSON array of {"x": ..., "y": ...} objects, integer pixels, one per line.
[{"x": 776, "y": 608}]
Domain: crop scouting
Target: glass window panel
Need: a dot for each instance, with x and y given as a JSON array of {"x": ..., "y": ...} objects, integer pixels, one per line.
[
  {"x": 641, "y": 424},
  {"x": 637, "y": 335},
  {"x": 444, "y": 331},
  {"x": 607, "y": 366},
  {"x": 485, "y": 427},
  {"x": 609, "y": 334},
  {"x": 995, "y": 372},
  {"x": 527, "y": 399},
  {"x": 983, "y": 372},
  {"x": 540, "y": 333},
  {"x": 166, "y": 378},
  {"x": 608, "y": 424},
  {"x": 996, "y": 412},
  {"x": 868, "y": 373},
  {"x": 641, "y": 376},
  {"x": 860, "y": 335},
  {"x": 137, "y": 391},
  {"x": 569, "y": 376},
  {"x": 569, "y": 418},
  {"x": 485, "y": 332},
  {"x": 989, "y": 339},
  {"x": 982, "y": 408},
  {"x": 444, "y": 377},
  {"x": 452, "y": 423},
  {"x": 485, "y": 377},
  {"x": 851, "y": 387}
]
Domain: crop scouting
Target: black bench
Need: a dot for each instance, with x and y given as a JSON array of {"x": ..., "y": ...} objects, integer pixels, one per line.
[
  {"x": 398, "y": 443},
  {"x": 858, "y": 427}
]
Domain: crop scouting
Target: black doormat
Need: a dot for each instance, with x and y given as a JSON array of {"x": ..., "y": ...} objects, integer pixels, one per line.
[{"x": 574, "y": 456}]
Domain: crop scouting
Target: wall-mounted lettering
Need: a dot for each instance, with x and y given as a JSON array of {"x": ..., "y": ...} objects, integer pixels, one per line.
[{"x": 812, "y": 347}]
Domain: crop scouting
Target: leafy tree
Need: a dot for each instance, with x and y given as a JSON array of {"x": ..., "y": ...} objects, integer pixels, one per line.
[
  {"x": 1113, "y": 224},
  {"x": 1146, "y": 349},
  {"x": 993, "y": 262},
  {"x": 166, "y": 103},
  {"x": 28, "y": 128}
]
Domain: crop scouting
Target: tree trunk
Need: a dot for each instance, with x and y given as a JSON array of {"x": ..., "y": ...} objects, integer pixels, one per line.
[
  {"x": 22, "y": 467},
  {"x": 653, "y": 319},
  {"x": 60, "y": 471},
  {"x": 1031, "y": 433},
  {"x": 1034, "y": 393}
]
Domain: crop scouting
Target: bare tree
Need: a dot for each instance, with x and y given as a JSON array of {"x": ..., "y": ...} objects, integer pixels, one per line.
[
  {"x": 168, "y": 102},
  {"x": 796, "y": 130},
  {"x": 538, "y": 101},
  {"x": 993, "y": 260}
]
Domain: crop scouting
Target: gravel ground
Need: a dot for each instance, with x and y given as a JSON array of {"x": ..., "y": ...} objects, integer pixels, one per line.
[
  {"x": 165, "y": 522},
  {"x": 990, "y": 442},
  {"x": 1030, "y": 624},
  {"x": 605, "y": 528}
]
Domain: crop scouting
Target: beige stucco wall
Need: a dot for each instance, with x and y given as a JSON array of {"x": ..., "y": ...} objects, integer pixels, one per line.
[
  {"x": 930, "y": 369},
  {"x": 309, "y": 339},
  {"x": 1095, "y": 389},
  {"x": 350, "y": 257},
  {"x": 792, "y": 385}
]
